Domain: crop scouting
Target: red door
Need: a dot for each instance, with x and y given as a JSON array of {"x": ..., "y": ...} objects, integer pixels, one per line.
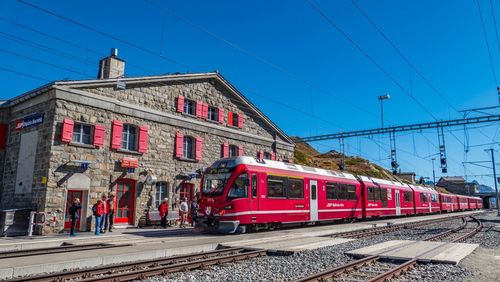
[
  {"x": 186, "y": 192},
  {"x": 125, "y": 200},
  {"x": 72, "y": 194}
]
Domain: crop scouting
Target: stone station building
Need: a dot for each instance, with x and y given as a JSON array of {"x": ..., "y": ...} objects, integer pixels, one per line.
[{"x": 142, "y": 138}]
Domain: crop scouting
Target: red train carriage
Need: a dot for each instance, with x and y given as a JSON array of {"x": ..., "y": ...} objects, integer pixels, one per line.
[
  {"x": 426, "y": 199},
  {"x": 448, "y": 202},
  {"x": 472, "y": 202},
  {"x": 479, "y": 204},
  {"x": 385, "y": 198},
  {"x": 463, "y": 204},
  {"x": 244, "y": 192}
]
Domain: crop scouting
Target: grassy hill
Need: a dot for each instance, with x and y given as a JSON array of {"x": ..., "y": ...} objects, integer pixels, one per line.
[{"x": 307, "y": 155}]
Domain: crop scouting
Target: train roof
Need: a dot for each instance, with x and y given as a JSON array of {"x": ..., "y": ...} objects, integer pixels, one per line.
[
  {"x": 383, "y": 181},
  {"x": 234, "y": 161},
  {"x": 419, "y": 188}
]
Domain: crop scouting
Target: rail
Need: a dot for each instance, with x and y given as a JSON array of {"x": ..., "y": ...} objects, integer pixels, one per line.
[{"x": 60, "y": 249}]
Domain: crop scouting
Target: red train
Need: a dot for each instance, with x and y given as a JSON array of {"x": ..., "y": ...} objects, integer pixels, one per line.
[{"x": 243, "y": 193}]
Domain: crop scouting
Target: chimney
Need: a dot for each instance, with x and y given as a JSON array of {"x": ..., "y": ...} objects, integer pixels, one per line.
[{"x": 111, "y": 66}]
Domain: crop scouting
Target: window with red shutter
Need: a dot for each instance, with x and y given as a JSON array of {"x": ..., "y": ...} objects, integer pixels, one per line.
[
  {"x": 3, "y": 135},
  {"x": 221, "y": 115},
  {"x": 225, "y": 150},
  {"x": 260, "y": 155},
  {"x": 240, "y": 120},
  {"x": 143, "y": 139},
  {"x": 273, "y": 156},
  {"x": 198, "y": 148},
  {"x": 179, "y": 142},
  {"x": 67, "y": 130},
  {"x": 199, "y": 109},
  {"x": 99, "y": 134},
  {"x": 240, "y": 150},
  {"x": 116, "y": 135},
  {"x": 180, "y": 104}
]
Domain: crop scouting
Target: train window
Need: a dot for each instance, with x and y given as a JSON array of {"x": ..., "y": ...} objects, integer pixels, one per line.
[
  {"x": 408, "y": 196},
  {"x": 423, "y": 198},
  {"x": 434, "y": 198},
  {"x": 331, "y": 192},
  {"x": 239, "y": 189},
  {"x": 351, "y": 192},
  {"x": 276, "y": 187},
  {"x": 376, "y": 192},
  {"x": 371, "y": 193},
  {"x": 313, "y": 192},
  {"x": 383, "y": 196},
  {"x": 295, "y": 188},
  {"x": 254, "y": 186}
]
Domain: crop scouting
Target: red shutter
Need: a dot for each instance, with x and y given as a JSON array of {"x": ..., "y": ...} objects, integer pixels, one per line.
[
  {"x": 143, "y": 139},
  {"x": 230, "y": 118},
  {"x": 67, "y": 130},
  {"x": 180, "y": 104},
  {"x": 179, "y": 142},
  {"x": 3, "y": 135},
  {"x": 99, "y": 133},
  {"x": 116, "y": 135},
  {"x": 205, "y": 111},
  {"x": 225, "y": 150},
  {"x": 199, "y": 145},
  {"x": 221, "y": 115},
  {"x": 260, "y": 155},
  {"x": 240, "y": 120},
  {"x": 240, "y": 150},
  {"x": 273, "y": 156},
  {"x": 199, "y": 109}
]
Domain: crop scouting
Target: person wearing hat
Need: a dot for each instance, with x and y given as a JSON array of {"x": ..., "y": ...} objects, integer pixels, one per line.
[
  {"x": 163, "y": 209},
  {"x": 110, "y": 207}
]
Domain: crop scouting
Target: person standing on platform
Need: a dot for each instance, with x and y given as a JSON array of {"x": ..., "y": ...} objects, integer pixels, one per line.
[
  {"x": 98, "y": 211},
  {"x": 74, "y": 214},
  {"x": 110, "y": 206},
  {"x": 104, "y": 219},
  {"x": 184, "y": 209},
  {"x": 163, "y": 210},
  {"x": 194, "y": 210}
]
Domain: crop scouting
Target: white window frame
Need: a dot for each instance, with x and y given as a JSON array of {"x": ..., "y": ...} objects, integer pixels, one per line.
[
  {"x": 126, "y": 137},
  {"x": 189, "y": 107},
  {"x": 80, "y": 133},
  {"x": 233, "y": 151},
  {"x": 159, "y": 193},
  {"x": 215, "y": 115},
  {"x": 185, "y": 147}
]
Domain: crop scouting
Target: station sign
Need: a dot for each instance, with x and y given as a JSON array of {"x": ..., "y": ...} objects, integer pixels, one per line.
[
  {"x": 29, "y": 121},
  {"x": 130, "y": 163}
]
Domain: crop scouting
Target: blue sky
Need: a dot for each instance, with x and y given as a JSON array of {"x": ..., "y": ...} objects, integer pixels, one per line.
[{"x": 288, "y": 60}]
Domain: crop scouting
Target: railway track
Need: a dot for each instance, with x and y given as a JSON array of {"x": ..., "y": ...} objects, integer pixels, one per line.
[
  {"x": 60, "y": 249},
  {"x": 154, "y": 267},
  {"x": 375, "y": 269},
  {"x": 455, "y": 234},
  {"x": 356, "y": 234}
]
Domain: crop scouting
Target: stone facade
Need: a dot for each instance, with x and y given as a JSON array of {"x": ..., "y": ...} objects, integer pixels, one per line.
[{"x": 150, "y": 101}]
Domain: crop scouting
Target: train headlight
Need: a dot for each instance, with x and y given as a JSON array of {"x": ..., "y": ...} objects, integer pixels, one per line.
[{"x": 228, "y": 207}]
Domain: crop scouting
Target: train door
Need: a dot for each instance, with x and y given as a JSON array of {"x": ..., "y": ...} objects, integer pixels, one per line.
[
  {"x": 313, "y": 199},
  {"x": 429, "y": 198},
  {"x": 398, "y": 202}
]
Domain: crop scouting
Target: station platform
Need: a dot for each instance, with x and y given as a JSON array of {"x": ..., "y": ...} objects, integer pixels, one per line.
[
  {"x": 156, "y": 243},
  {"x": 425, "y": 251}
]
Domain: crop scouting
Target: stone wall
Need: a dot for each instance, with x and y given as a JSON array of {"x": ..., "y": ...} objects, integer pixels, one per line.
[{"x": 36, "y": 197}]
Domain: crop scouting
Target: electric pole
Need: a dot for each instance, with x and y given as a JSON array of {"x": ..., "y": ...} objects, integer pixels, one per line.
[{"x": 495, "y": 178}]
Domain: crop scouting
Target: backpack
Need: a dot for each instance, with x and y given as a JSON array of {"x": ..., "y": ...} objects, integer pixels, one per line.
[
  {"x": 94, "y": 209},
  {"x": 71, "y": 210}
]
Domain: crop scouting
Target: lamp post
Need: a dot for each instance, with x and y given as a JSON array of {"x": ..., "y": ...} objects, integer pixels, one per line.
[
  {"x": 433, "y": 174},
  {"x": 382, "y": 98},
  {"x": 494, "y": 178}
]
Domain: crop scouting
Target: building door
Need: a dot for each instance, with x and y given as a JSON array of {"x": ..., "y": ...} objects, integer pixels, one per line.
[
  {"x": 398, "y": 202},
  {"x": 313, "y": 199},
  {"x": 125, "y": 201},
  {"x": 72, "y": 194},
  {"x": 186, "y": 192}
]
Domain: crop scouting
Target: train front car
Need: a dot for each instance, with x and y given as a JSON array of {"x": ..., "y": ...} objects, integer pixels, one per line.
[{"x": 224, "y": 194}]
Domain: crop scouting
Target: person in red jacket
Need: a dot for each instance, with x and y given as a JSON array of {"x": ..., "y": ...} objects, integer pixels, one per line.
[
  {"x": 98, "y": 210},
  {"x": 163, "y": 209}
]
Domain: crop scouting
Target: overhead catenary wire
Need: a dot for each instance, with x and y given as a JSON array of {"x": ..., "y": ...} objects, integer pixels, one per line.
[
  {"x": 487, "y": 44},
  {"x": 495, "y": 24}
]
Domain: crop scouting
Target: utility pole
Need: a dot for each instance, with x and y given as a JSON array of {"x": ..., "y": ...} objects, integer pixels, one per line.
[
  {"x": 433, "y": 174},
  {"x": 382, "y": 98},
  {"x": 494, "y": 178}
]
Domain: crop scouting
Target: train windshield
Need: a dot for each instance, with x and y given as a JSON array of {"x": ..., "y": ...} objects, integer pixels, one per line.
[
  {"x": 239, "y": 188},
  {"x": 214, "y": 181}
]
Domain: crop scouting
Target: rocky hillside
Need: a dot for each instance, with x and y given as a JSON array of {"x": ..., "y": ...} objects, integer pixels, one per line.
[{"x": 307, "y": 155}]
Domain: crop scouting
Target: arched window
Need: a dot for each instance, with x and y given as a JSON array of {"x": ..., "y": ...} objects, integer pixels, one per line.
[
  {"x": 161, "y": 192},
  {"x": 129, "y": 137},
  {"x": 188, "y": 147}
]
